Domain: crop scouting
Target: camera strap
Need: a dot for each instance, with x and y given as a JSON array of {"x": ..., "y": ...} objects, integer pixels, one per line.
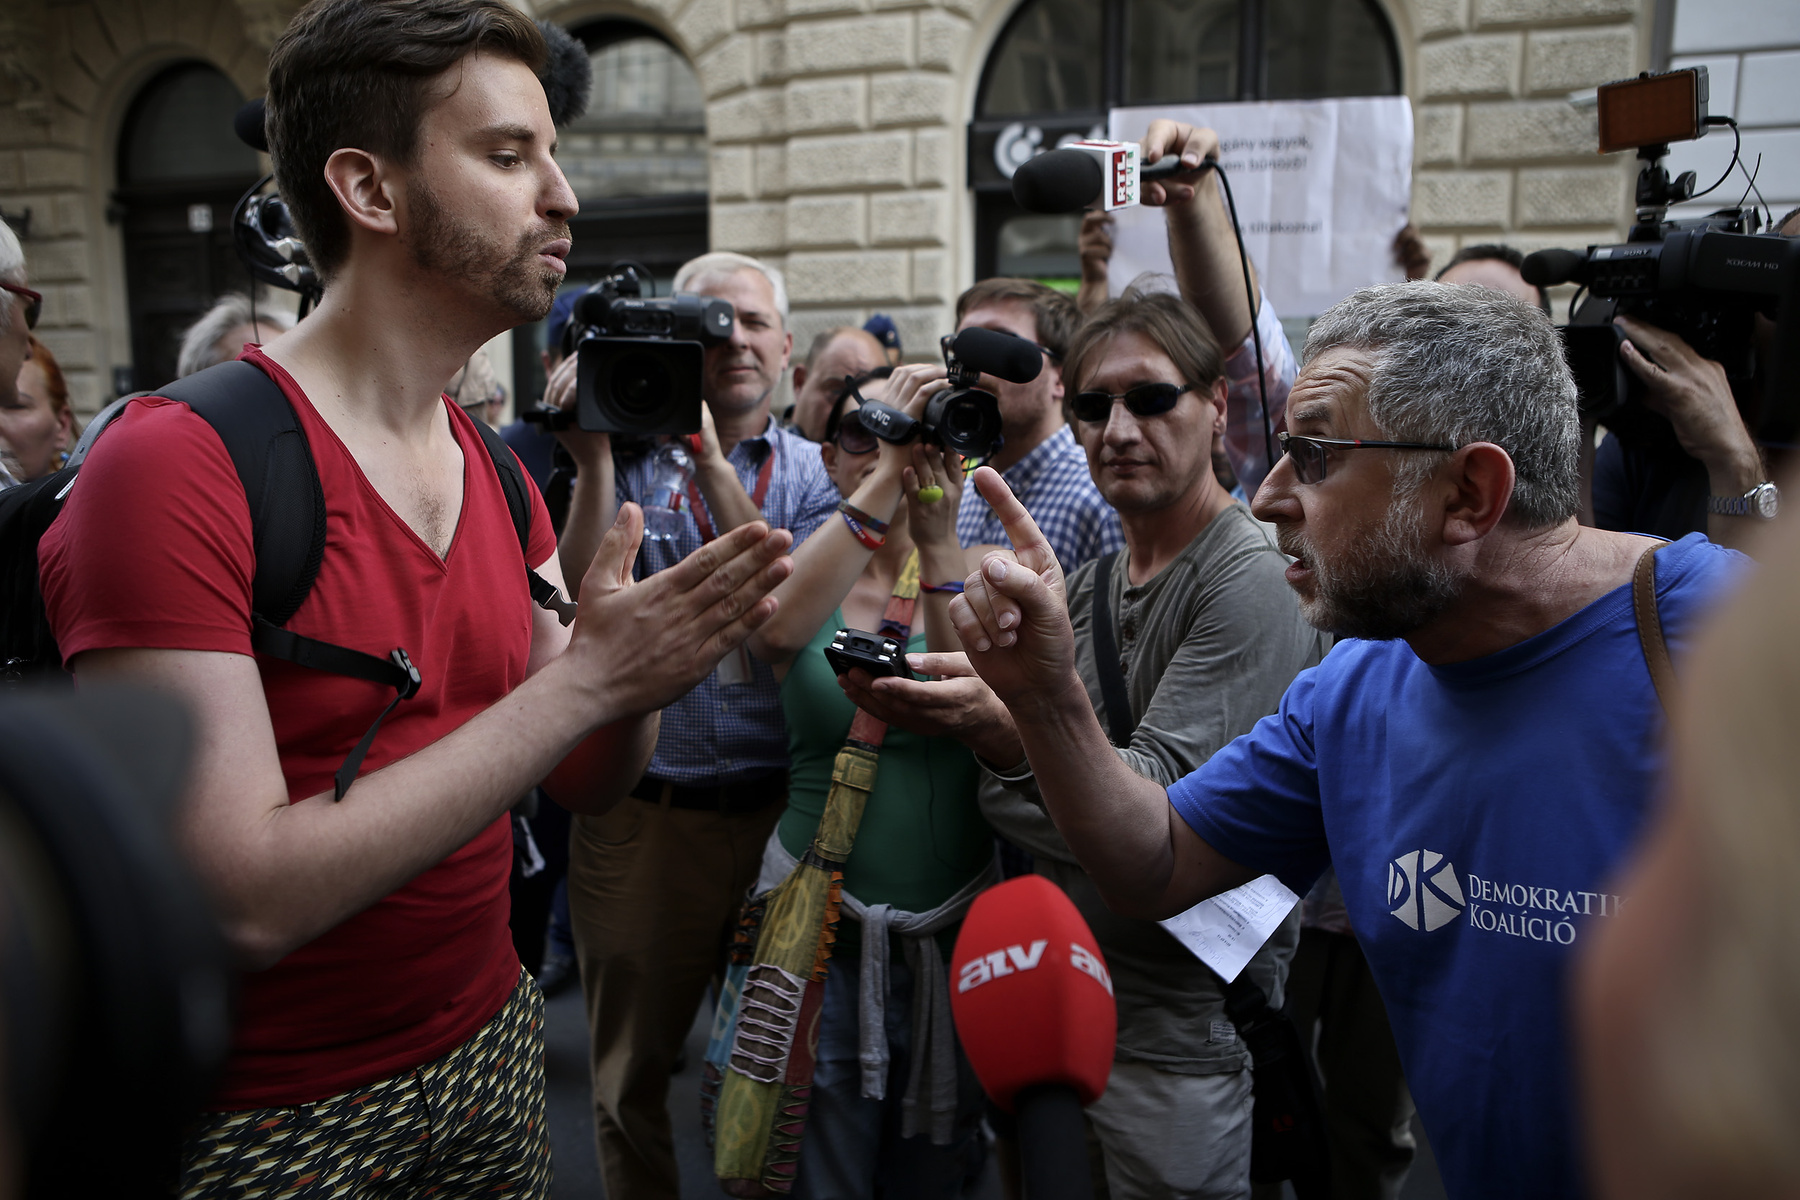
[{"x": 757, "y": 494}]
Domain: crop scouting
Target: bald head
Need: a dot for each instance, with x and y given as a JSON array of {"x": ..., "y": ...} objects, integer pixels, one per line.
[{"x": 836, "y": 355}]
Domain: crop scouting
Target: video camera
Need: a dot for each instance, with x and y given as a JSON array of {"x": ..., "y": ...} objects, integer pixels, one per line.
[
  {"x": 641, "y": 359},
  {"x": 962, "y": 417},
  {"x": 1705, "y": 280}
]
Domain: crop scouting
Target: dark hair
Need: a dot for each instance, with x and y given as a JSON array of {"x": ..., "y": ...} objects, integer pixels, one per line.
[
  {"x": 355, "y": 73},
  {"x": 1788, "y": 216},
  {"x": 852, "y": 387},
  {"x": 1494, "y": 252},
  {"x": 1056, "y": 314},
  {"x": 1168, "y": 321}
]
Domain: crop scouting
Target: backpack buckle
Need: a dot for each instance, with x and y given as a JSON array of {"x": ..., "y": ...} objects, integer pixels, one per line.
[{"x": 410, "y": 688}]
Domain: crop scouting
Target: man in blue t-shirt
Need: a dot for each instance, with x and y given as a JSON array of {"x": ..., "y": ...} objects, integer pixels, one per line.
[{"x": 1476, "y": 756}]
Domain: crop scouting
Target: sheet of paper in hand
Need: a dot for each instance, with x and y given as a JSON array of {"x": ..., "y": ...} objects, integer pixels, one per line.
[
  {"x": 1322, "y": 187},
  {"x": 1226, "y": 931}
]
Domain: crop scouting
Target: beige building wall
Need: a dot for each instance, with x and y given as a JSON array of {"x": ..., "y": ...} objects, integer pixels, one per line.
[{"x": 837, "y": 136}]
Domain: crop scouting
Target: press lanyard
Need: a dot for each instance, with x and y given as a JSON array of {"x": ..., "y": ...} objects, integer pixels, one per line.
[{"x": 757, "y": 495}]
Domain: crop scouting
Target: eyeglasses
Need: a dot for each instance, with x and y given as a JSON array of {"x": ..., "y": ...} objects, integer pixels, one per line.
[
  {"x": 853, "y": 437},
  {"x": 34, "y": 302},
  {"x": 1309, "y": 454},
  {"x": 1144, "y": 400}
]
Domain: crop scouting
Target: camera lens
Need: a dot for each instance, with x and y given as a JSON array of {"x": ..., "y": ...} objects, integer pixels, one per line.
[
  {"x": 640, "y": 385},
  {"x": 966, "y": 421}
]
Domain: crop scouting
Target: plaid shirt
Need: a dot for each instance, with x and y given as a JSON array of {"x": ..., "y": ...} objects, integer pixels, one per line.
[
  {"x": 1054, "y": 485},
  {"x": 721, "y": 733}
]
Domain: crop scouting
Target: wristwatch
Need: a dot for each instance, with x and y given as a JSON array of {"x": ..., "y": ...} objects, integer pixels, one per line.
[{"x": 1761, "y": 501}]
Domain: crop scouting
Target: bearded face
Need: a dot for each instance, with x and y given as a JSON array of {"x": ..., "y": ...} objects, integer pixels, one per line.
[
  {"x": 456, "y": 248},
  {"x": 1381, "y": 587}
]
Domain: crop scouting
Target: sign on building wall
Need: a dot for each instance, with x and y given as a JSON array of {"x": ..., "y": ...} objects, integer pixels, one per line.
[{"x": 1322, "y": 187}]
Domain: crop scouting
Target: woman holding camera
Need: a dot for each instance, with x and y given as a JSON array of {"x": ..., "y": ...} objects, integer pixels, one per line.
[{"x": 894, "y": 1107}]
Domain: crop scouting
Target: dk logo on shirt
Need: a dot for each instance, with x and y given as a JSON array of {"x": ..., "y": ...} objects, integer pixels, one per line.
[{"x": 1424, "y": 891}]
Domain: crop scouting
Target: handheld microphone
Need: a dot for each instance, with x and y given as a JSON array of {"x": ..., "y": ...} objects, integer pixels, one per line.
[
  {"x": 1034, "y": 1008},
  {"x": 1082, "y": 174}
]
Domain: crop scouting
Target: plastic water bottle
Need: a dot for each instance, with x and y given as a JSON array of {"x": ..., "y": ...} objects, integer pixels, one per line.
[{"x": 665, "y": 510}]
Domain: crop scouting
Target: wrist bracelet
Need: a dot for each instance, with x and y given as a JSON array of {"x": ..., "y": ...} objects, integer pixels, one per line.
[
  {"x": 952, "y": 586},
  {"x": 850, "y": 510},
  {"x": 873, "y": 541}
]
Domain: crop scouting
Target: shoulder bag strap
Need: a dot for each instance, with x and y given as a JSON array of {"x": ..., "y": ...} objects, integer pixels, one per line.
[
  {"x": 1649, "y": 627},
  {"x": 1119, "y": 724},
  {"x": 518, "y": 502}
]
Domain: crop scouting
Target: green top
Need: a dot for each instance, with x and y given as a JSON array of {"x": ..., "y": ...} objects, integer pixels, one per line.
[{"x": 922, "y": 835}]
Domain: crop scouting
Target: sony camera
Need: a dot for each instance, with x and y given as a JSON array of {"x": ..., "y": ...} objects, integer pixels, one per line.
[
  {"x": 962, "y": 417},
  {"x": 1705, "y": 280},
  {"x": 640, "y": 359}
]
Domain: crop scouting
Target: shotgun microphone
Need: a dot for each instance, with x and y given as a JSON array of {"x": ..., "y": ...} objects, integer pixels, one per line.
[{"x": 1034, "y": 1008}]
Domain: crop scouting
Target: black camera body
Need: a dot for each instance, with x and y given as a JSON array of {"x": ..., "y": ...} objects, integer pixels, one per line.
[
  {"x": 962, "y": 417},
  {"x": 641, "y": 360},
  {"x": 878, "y": 655}
]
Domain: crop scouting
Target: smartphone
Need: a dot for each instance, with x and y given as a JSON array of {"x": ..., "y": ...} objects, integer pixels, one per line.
[{"x": 873, "y": 653}]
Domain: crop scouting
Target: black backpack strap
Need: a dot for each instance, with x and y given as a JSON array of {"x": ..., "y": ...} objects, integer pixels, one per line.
[
  {"x": 1106, "y": 657},
  {"x": 262, "y": 434},
  {"x": 518, "y": 502}
]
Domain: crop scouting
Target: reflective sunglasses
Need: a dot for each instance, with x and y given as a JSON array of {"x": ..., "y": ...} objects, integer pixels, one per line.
[
  {"x": 853, "y": 437},
  {"x": 34, "y": 302},
  {"x": 1144, "y": 400},
  {"x": 1309, "y": 454}
]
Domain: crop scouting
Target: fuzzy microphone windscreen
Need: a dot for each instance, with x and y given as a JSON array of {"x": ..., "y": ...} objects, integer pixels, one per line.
[{"x": 568, "y": 75}]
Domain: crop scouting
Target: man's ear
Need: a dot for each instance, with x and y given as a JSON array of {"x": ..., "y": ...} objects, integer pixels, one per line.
[
  {"x": 1219, "y": 391},
  {"x": 364, "y": 189},
  {"x": 799, "y": 373},
  {"x": 1480, "y": 478},
  {"x": 828, "y": 453},
  {"x": 787, "y": 350}
]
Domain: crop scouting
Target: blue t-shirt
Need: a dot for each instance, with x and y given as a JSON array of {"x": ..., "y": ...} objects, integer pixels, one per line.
[{"x": 1476, "y": 814}]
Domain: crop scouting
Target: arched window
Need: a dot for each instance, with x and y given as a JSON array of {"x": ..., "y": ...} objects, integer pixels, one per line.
[
  {"x": 1044, "y": 84},
  {"x": 180, "y": 170}
]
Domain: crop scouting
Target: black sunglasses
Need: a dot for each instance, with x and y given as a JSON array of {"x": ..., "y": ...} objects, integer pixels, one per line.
[
  {"x": 1144, "y": 400},
  {"x": 34, "y": 302},
  {"x": 852, "y": 436},
  {"x": 1309, "y": 454}
]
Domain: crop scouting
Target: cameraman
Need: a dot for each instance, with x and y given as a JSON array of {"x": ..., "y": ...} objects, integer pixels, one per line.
[
  {"x": 655, "y": 884},
  {"x": 1718, "y": 466}
]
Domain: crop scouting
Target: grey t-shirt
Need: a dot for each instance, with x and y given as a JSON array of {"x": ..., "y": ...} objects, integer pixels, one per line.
[{"x": 1208, "y": 647}]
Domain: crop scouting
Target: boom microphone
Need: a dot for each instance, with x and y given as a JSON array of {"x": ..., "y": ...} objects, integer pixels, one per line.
[
  {"x": 1003, "y": 355},
  {"x": 1034, "y": 1008},
  {"x": 1084, "y": 174},
  {"x": 248, "y": 125}
]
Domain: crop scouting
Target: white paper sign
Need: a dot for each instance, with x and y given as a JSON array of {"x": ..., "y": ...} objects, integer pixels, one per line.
[
  {"x": 1322, "y": 187},
  {"x": 1226, "y": 931}
]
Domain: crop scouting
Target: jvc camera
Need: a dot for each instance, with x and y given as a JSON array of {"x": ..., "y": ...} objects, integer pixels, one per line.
[
  {"x": 1704, "y": 280},
  {"x": 962, "y": 417},
  {"x": 641, "y": 359}
]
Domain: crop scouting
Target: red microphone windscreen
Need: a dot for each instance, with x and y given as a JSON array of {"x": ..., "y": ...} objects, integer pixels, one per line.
[{"x": 1031, "y": 995}]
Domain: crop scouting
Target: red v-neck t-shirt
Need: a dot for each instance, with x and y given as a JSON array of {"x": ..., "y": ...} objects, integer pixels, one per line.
[{"x": 153, "y": 549}]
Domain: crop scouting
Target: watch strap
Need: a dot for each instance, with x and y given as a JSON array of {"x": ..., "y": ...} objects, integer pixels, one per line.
[{"x": 1747, "y": 505}]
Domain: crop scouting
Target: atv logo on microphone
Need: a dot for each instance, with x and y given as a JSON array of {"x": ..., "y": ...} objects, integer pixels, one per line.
[
  {"x": 1014, "y": 959},
  {"x": 1423, "y": 889}
]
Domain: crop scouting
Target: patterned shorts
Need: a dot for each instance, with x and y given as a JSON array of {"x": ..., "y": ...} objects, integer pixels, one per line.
[{"x": 469, "y": 1124}]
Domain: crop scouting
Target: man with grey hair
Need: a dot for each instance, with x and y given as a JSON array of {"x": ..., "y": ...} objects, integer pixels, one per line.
[
  {"x": 1474, "y": 757},
  {"x": 655, "y": 884},
  {"x": 222, "y": 333},
  {"x": 19, "y": 307}
]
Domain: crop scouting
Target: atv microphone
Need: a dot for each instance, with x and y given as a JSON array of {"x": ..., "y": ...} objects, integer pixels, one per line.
[
  {"x": 1083, "y": 174},
  {"x": 1034, "y": 1008}
]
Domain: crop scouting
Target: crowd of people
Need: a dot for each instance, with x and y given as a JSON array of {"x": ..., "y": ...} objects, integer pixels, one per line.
[{"x": 1377, "y": 619}]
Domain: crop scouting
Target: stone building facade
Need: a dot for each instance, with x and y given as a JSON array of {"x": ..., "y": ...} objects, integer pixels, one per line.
[{"x": 836, "y": 133}]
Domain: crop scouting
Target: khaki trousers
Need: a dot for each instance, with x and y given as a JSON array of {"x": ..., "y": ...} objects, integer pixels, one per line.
[{"x": 653, "y": 896}]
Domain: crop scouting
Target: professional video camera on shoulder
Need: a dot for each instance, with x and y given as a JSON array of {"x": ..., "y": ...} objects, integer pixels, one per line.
[
  {"x": 1705, "y": 279},
  {"x": 641, "y": 359},
  {"x": 962, "y": 417}
]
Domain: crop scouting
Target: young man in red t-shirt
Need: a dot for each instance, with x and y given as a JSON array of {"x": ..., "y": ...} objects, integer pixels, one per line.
[{"x": 386, "y": 1032}]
